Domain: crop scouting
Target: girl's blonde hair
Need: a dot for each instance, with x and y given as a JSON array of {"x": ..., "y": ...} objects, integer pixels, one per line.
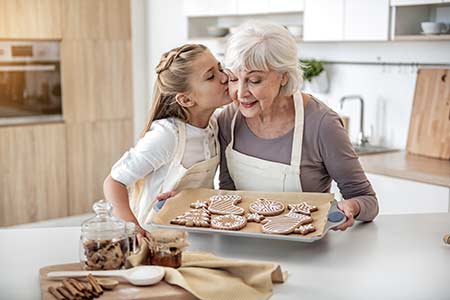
[{"x": 173, "y": 72}]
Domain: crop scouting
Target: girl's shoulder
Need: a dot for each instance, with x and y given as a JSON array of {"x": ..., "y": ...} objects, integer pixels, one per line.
[{"x": 163, "y": 131}]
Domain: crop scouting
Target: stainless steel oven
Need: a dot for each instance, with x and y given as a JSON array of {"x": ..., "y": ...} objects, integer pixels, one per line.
[{"x": 30, "y": 82}]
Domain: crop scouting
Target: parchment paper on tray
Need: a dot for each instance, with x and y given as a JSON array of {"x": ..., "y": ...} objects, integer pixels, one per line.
[{"x": 179, "y": 204}]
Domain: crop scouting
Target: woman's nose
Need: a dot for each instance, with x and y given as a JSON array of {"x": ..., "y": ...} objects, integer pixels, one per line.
[{"x": 242, "y": 91}]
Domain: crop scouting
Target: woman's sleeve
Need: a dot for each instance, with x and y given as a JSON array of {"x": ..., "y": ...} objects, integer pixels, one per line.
[
  {"x": 343, "y": 165},
  {"x": 151, "y": 152},
  {"x": 224, "y": 120}
]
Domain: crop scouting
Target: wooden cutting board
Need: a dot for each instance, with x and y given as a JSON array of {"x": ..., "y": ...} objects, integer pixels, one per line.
[
  {"x": 124, "y": 291},
  {"x": 429, "y": 128}
]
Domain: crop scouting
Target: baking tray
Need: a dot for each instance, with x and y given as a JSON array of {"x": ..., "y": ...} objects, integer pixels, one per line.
[{"x": 327, "y": 217}]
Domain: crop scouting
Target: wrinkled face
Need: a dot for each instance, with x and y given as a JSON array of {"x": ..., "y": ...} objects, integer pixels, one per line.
[
  {"x": 254, "y": 90},
  {"x": 209, "y": 84}
]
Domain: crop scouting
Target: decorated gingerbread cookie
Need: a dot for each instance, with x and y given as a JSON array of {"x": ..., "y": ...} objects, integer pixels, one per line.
[
  {"x": 225, "y": 204},
  {"x": 305, "y": 229},
  {"x": 200, "y": 204},
  {"x": 266, "y": 207},
  {"x": 302, "y": 208},
  {"x": 200, "y": 217},
  {"x": 254, "y": 217},
  {"x": 284, "y": 224},
  {"x": 228, "y": 222}
]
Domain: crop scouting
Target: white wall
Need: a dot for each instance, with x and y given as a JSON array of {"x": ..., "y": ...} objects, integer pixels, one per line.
[{"x": 388, "y": 90}]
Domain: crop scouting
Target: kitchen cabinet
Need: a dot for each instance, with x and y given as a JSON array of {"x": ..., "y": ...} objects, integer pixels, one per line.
[
  {"x": 98, "y": 19},
  {"x": 346, "y": 20},
  {"x": 415, "y": 2},
  {"x": 24, "y": 19},
  {"x": 366, "y": 20},
  {"x": 198, "y": 8},
  {"x": 96, "y": 81},
  {"x": 33, "y": 183},
  {"x": 398, "y": 196},
  {"x": 324, "y": 20},
  {"x": 279, "y": 6},
  {"x": 202, "y": 8},
  {"x": 96, "y": 146}
]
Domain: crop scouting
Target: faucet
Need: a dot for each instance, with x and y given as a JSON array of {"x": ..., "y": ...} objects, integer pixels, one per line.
[{"x": 362, "y": 139}]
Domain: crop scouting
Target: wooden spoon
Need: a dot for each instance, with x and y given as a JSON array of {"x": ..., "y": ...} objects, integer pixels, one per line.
[{"x": 107, "y": 284}]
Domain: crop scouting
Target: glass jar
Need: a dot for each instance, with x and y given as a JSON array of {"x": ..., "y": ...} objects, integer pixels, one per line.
[
  {"x": 103, "y": 240},
  {"x": 132, "y": 237}
]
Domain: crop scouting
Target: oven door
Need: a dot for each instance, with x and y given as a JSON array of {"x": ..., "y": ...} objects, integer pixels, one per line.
[{"x": 29, "y": 90}]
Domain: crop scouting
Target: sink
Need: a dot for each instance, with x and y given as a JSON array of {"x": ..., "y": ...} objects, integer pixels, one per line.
[{"x": 372, "y": 149}]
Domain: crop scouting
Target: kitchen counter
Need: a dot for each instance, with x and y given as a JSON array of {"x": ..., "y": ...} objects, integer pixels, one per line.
[
  {"x": 395, "y": 257},
  {"x": 407, "y": 166}
]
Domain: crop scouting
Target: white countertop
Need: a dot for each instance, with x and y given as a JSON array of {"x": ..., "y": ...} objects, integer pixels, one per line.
[{"x": 395, "y": 257}]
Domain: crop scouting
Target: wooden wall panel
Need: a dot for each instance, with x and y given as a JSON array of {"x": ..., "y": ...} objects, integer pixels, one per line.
[
  {"x": 33, "y": 183},
  {"x": 30, "y": 19},
  {"x": 94, "y": 148},
  {"x": 99, "y": 19},
  {"x": 96, "y": 80}
]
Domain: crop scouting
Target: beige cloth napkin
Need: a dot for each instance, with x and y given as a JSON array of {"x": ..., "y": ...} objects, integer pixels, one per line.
[{"x": 210, "y": 277}]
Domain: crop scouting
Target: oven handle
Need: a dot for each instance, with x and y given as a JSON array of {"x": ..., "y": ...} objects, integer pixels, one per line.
[{"x": 27, "y": 68}]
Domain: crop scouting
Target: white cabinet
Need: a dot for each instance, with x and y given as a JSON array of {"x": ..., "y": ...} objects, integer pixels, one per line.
[
  {"x": 205, "y": 8},
  {"x": 366, "y": 20},
  {"x": 398, "y": 196},
  {"x": 415, "y": 2},
  {"x": 280, "y": 6},
  {"x": 250, "y": 7},
  {"x": 324, "y": 20},
  {"x": 349, "y": 20},
  {"x": 199, "y": 8}
]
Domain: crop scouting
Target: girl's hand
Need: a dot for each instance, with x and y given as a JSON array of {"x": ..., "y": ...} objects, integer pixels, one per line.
[
  {"x": 142, "y": 233},
  {"x": 350, "y": 208}
]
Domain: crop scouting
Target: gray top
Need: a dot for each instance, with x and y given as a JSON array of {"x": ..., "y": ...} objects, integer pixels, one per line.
[{"x": 327, "y": 154}]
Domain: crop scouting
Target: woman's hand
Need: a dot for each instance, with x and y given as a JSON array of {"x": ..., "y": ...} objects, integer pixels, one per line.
[
  {"x": 350, "y": 208},
  {"x": 166, "y": 195},
  {"x": 142, "y": 233}
]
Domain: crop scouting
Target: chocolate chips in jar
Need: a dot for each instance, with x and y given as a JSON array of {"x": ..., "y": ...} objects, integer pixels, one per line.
[{"x": 104, "y": 241}]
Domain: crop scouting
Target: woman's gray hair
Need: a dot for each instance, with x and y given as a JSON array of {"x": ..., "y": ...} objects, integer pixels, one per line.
[{"x": 265, "y": 46}]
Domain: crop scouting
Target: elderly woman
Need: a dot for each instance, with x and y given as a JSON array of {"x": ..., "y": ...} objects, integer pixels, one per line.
[{"x": 276, "y": 138}]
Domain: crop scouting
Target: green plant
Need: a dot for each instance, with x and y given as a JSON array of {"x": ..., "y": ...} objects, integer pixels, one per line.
[{"x": 311, "y": 68}]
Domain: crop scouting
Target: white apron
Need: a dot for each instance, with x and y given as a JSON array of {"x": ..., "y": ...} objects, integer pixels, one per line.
[
  {"x": 200, "y": 175},
  {"x": 254, "y": 174}
]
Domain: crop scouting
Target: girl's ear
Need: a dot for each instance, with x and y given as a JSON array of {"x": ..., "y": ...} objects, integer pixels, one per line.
[{"x": 184, "y": 100}]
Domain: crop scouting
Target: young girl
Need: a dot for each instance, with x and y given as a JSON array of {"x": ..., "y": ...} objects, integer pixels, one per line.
[{"x": 179, "y": 147}]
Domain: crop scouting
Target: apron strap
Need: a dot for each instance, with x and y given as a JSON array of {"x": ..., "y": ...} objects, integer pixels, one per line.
[
  {"x": 178, "y": 157},
  {"x": 297, "y": 141}
]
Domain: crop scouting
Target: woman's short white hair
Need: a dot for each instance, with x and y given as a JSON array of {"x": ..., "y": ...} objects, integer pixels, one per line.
[{"x": 265, "y": 46}]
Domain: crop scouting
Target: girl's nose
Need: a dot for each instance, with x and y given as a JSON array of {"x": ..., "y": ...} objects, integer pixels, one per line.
[{"x": 223, "y": 78}]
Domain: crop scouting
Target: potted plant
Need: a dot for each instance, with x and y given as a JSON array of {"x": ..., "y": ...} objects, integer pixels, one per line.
[{"x": 315, "y": 75}]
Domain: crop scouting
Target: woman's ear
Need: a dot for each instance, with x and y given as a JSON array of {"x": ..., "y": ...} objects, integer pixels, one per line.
[
  {"x": 284, "y": 79},
  {"x": 184, "y": 100}
]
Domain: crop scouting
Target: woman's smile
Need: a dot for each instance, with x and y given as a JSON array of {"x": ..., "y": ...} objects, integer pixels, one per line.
[{"x": 248, "y": 104}]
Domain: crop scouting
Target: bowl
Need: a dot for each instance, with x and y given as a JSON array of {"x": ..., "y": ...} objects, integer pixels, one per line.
[{"x": 215, "y": 31}]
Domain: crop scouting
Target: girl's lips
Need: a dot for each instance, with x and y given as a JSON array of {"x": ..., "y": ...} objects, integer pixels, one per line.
[{"x": 248, "y": 104}]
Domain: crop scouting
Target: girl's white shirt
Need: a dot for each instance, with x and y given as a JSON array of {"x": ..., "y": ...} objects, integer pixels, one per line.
[{"x": 152, "y": 156}]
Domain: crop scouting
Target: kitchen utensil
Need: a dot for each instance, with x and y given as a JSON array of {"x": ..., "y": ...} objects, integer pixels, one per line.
[
  {"x": 429, "y": 127},
  {"x": 215, "y": 31},
  {"x": 179, "y": 204},
  {"x": 434, "y": 27},
  {"x": 140, "y": 276}
]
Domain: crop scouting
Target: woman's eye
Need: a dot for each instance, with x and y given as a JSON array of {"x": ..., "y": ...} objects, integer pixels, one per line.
[
  {"x": 255, "y": 81},
  {"x": 210, "y": 77},
  {"x": 232, "y": 79}
]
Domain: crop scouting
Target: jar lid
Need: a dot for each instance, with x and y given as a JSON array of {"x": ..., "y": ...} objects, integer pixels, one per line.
[{"x": 103, "y": 226}]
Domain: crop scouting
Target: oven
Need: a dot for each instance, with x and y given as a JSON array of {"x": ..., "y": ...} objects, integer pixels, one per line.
[{"x": 30, "y": 82}]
